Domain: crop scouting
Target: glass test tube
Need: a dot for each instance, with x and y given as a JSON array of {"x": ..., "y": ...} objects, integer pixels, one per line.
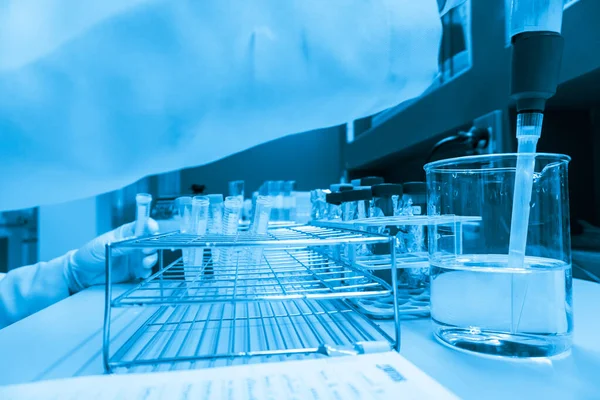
[
  {"x": 142, "y": 214},
  {"x": 215, "y": 222},
  {"x": 236, "y": 189},
  {"x": 199, "y": 226},
  {"x": 260, "y": 226},
  {"x": 231, "y": 216},
  {"x": 184, "y": 211},
  {"x": 142, "y": 204}
]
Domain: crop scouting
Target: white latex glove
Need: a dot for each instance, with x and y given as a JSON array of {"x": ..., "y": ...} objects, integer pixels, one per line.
[{"x": 86, "y": 266}]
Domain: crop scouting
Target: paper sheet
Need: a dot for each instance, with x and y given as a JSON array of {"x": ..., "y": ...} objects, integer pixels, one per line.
[{"x": 374, "y": 376}]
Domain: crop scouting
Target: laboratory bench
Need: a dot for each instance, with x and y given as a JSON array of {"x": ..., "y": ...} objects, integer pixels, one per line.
[{"x": 65, "y": 340}]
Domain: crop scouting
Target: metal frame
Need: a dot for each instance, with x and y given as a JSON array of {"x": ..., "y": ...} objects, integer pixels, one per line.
[
  {"x": 299, "y": 297},
  {"x": 411, "y": 303}
]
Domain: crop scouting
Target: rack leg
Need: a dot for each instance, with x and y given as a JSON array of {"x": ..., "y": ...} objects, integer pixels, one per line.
[
  {"x": 107, "y": 310},
  {"x": 394, "y": 272},
  {"x": 161, "y": 266}
]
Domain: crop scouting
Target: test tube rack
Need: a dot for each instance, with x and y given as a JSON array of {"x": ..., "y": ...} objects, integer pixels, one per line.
[
  {"x": 298, "y": 302},
  {"x": 412, "y": 302}
]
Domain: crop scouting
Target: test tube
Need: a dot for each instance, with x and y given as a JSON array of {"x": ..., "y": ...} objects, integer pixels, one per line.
[
  {"x": 236, "y": 189},
  {"x": 289, "y": 201},
  {"x": 142, "y": 214},
  {"x": 199, "y": 225},
  {"x": 215, "y": 214},
  {"x": 262, "y": 215},
  {"x": 260, "y": 226},
  {"x": 278, "y": 200},
  {"x": 215, "y": 224},
  {"x": 231, "y": 216},
  {"x": 184, "y": 211},
  {"x": 142, "y": 204},
  {"x": 274, "y": 190}
]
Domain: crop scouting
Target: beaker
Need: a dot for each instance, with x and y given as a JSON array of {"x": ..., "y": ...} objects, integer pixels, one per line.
[{"x": 479, "y": 302}]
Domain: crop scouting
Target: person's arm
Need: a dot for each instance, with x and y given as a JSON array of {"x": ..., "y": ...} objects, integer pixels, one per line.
[
  {"x": 29, "y": 289},
  {"x": 94, "y": 98}
]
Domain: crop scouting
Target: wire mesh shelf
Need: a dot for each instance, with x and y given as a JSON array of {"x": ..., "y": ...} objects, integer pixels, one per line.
[
  {"x": 303, "y": 235},
  {"x": 243, "y": 298},
  {"x": 198, "y": 336},
  {"x": 400, "y": 220},
  {"x": 284, "y": 274}
]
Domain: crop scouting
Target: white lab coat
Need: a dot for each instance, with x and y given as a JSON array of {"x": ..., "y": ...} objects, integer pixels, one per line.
[
  {"x": 93, "y": 98},
  {"x": 29, "y": 289},
  {"x": 95, "y": 95}
]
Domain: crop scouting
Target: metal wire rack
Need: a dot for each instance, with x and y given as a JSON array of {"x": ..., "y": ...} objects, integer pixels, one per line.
[
  {"x": 283, "y": 274},
  {"x": 248, "y": 297},
  {"x": 411, "y": 263},
  {"x": 198, "y": 336},
  {"x": 303, "y": 236}
]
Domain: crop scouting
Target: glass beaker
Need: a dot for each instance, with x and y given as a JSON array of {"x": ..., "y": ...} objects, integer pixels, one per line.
[{"x": 478, "y": 302}]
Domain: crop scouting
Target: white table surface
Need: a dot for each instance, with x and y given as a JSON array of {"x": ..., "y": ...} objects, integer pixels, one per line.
[{"x": 65, "y": 340}]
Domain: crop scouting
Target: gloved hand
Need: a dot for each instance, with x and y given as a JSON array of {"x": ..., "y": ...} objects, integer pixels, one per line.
[{"x": 86, "y": 266}]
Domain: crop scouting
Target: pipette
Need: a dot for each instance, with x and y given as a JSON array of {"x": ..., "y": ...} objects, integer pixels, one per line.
[{"x": 536, "y": 58}]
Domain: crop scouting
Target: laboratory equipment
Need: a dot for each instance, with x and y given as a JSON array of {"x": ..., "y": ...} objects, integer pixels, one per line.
[
  {"x": 386, "y": 198},
  {"x": 293, "y": 305},
  {"x": 356, "y": 203},
  {"x": 386, "y": 202},
  {"x": 142, "y": 214},
  {"x": 236, "y": 189},
  {"x": 276, "y": 192},
  {"x": 414, "y": 198},
  {"x": 479, "y": 300},
  {"x": 199, "y": 226},
  {"x": 184, "y": 214},
  {"x": 215, "y": 213},
  {"x": 215, "y": 224},
  {"x": 334, "y": 206},
  {"x": 412, "y": 290},
  {"x": 232, "y": 208},
  {"x": 340, "y": 187},
  {"x": 537, "y": 47},
  {"x": 289, "y": 201},
  {"x": 259, "y": 227},
  {"x": 367, "y": 181},
  {"x": 142, "y": 202},
  {"x": 318, "y": 203},
  {"x": 303, "y": 207}
]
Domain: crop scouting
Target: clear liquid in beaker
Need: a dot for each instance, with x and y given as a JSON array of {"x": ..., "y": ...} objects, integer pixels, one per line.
[{"x": 472, "y": 307}]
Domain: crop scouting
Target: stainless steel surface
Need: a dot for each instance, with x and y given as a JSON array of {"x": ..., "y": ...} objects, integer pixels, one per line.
[{"x": 295, "y": 303}]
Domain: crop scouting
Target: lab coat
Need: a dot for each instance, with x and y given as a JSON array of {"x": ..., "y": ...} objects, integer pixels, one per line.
[
  {"x": 29, "y": 289},
  {"x": 93, "y": 98}
]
